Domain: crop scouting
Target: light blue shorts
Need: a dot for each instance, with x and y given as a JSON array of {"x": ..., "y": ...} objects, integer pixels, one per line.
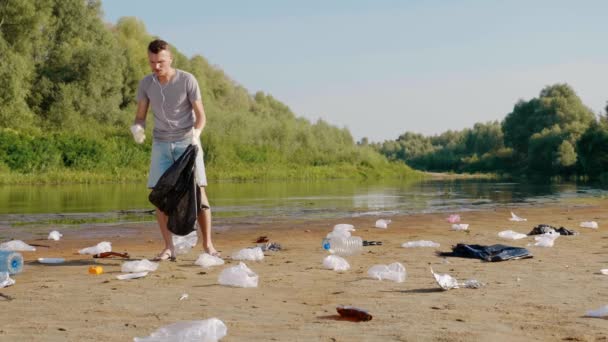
[{"x": 164, "y": 154}]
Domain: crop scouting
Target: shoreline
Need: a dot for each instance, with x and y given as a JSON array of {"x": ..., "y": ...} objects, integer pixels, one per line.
[{"x": 543, "y": 298}]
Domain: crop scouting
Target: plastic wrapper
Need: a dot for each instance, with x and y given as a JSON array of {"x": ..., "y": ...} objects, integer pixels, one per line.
[
  {"x": 383, "y": 224},
  {"x": 251, "y": 254},
  {"x": 460, "y": 226},
  {"x": 207, "y": 260},
  {"x": 131, "y": 275},
  {"x": 17, "y": 246},
  {"x": 336, "y": 263},
  {"x": 454, "y": 218},
  {"x": 601, "y": 312},
  {"x": 55, "y": 235},
  {"x": 419, "y": 243},
  {"x": 516, "y": 218},
  {"x": 447, "y": 282},
  {"x": 238, "y": 276},
  {"x": 5, "y": 280},
  {"x": 183, "y": 244},
  {"x": 546, "y": 240},
  {"x": 135, "y": 266},
  {"x": 209, "y": 330},
  {"x": 604, "y": 271},
  {"x": 589, "y": 224},
  {"x": 101, "y": 247},
  {"x": 395, "y": 272},
  {"x": 341, "y": 230},
  {"x": 511, "y": 235}
]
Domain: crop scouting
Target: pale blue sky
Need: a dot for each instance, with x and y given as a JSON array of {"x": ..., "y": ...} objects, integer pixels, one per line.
[{"x": 381, "y": 67}]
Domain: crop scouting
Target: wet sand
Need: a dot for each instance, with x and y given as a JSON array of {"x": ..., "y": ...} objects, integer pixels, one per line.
[{"x": 542, "y": 298}]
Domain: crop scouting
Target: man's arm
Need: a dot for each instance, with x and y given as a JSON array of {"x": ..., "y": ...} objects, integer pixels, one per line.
[{"x": 199, "y": 115}]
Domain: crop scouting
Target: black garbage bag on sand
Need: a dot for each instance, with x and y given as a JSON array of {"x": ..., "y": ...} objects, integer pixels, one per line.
[
  {"x": 488, "y": 253},
  {"x": 545, "y": 228},
  {"x": 177, "y": 195}
]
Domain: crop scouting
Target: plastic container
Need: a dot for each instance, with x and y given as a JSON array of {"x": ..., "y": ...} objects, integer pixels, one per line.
[
  {"x": 11, "y": 262},
  {"x": 96, "y": 270},
  {"x": 343, "y": 246}
]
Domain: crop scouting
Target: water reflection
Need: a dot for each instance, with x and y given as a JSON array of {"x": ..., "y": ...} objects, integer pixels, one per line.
[{"x": 338, "y": 198}]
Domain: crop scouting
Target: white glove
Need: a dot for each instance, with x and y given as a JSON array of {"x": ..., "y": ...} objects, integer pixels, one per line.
[
  {"x": 196, "y": 136},
  {"x": 138, "y": 133}
]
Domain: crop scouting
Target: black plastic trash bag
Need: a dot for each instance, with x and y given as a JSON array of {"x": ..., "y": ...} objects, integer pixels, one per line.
[
  {"x": 488, "y": 253},
  {"x": 177, "y": 195},
  {"x": 545, "y": 228}
]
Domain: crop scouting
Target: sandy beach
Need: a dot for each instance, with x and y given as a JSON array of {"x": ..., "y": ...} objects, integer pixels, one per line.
[{"x": 542, "y": 298}]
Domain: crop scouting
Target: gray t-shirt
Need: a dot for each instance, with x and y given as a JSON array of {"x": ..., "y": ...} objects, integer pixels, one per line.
[{"x": 171, "y": 104}]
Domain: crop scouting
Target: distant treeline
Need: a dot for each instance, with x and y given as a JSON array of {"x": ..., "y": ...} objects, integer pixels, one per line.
[
  {"x": 68, "y": 99},
  {"x": 552, "y": 136}
]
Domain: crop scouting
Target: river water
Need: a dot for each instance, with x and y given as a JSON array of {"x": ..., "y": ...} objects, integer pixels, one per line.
[{"x": 23, "y": 205}]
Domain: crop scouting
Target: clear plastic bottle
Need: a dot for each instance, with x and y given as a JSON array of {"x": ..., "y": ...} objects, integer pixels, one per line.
[
  {"x": 11, "y": 262},
  {"x": 343, "y": 246}
]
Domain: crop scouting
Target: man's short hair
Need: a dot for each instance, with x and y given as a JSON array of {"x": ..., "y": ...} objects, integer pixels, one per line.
[{"x": 157, "y": 45}]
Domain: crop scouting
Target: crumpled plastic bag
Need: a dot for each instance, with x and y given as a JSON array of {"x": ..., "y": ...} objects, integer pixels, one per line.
[
  {"x": 239, "y": 276},
  {"x": 447, "y": 282},
  {"x": 209, "y": 330},
  {"x": 601, "y": 312},
  {"x": 136, "y": 266},
  {"x": 546, "y": 240},
  {"x": 589, "y": 224},
  {"x": 511, "y": 235},
  {"x": 516, "y": 218},
  {"x": 460, "y": 226},
  {"x": 395, "y": 272},
  {"x": 127, "y": 276},
  {"x": 55, "y": 235},
  {"x": 604, "y": 271},
  {"x": 207, "y": 260},
  {"x": 381, "y": 223},
  {"x": 336, "y": 263},
  {"x": 183, "y": 244},
  {"x": 6, "y": 280},
  {"x": 419, "y": 243},
  {"x": 101, "y": 247},
  {"x": 253, "y": 254},
  {"x": 17, "y": 246},
  {"x": 454, "y": 218},
  {"x": 341, "y": 230}
]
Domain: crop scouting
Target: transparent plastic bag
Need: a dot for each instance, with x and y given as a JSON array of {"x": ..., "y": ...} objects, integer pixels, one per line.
[
  {"x": 511, "y": 235},
  {"x": 336, "y": 263},
  {"x": 589, "y": 224},
  {"x": 383, "y": 224},
  {"x": 454, "y": 218},
  {"x": 601, "y": 312},
  {"x": 183, "y": 244},
  {"x": 460, "y": 226},
  {"x": 17, "y": 246},
  {"x": 395, "y": 272},
  {"x": 135, "y": 266},
  {"x": 419, "y": 243},
  {"x": 207, "y": 260},
  {"x": 516, "y": 218},
  {"x": 6, "y": 280},
  {"x": 341, "y": 230},
  {"x": 238, "y": 276},
  {"x": 101, "y": 247},
  {"x": 252, "y": 254},
  {"x": 55, "y": 235},
  {"x": 209, "y": 330}
]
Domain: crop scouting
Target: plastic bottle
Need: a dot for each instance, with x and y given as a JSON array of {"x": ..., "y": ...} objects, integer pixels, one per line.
[
  {"x": 11, "y": 262},
  {"x": 343, "y": 246}
]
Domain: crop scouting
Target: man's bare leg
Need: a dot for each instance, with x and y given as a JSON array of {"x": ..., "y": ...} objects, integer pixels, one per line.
[
  {"x": 169, "y": 250},
  {"x": 204, "y": 222}
]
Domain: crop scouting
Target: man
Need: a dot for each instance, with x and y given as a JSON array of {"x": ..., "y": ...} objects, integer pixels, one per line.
[{"x": 179, "y": 118}]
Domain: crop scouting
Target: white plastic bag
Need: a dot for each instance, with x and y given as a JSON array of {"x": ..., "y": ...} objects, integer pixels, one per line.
[
  {"x": 253, "y": 254},
  {"x": 395, "y": 272},
  {"x": 55, "y": 235},
  {"x": 138, "y": 266},
  {"x": 341, "y": 230},
  {"x": 445, "y": 281},
  {"x": 207, "y": 260},
  {"x": 382, "y": 223},
  {"x": 17, "y": 246},
  {"x": 511, "y": 235},
  {"x": 454, "y": 218},
  {"x": 601, "y": 312},
  {"x": 131, "y": 275},
  {"x": 101, "y": 247},
  {"x": 546, "y": 240},
  {"x": 5, "y": 280},
  {"x": 604, "y": 271},
  {"x": 183, "y": 244},
  {"x": 239, "y": 276},
  {"x": 460, "y": 226},
  {"x": 336, "y": 263},
  {"x": 516, "y": 218},
  {"x": 419, "y": 243},
  {"x": 209, "y": 330},
  {"x": 589, "y": 224}
]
